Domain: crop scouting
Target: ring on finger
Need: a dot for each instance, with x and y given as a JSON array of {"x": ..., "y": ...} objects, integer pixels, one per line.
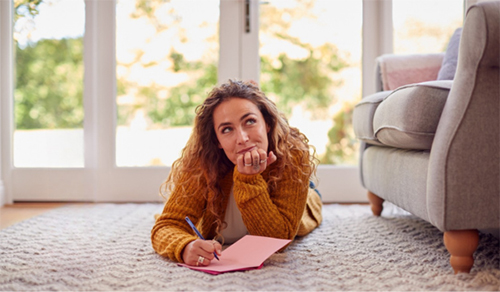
[
  {"x": 249, "y": 164},
  {"x": 200, "y": 260},
  {"x": 263, "y": 160}
]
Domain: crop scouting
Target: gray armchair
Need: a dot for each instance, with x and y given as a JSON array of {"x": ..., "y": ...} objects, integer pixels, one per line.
[{"x": 432, "y": 148}]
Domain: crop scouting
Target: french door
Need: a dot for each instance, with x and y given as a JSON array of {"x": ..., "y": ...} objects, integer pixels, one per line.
[{"x": 146, "y": 66}]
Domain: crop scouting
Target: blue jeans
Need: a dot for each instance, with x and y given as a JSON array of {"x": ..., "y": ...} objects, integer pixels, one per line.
[{"x": 313, "y": 186}]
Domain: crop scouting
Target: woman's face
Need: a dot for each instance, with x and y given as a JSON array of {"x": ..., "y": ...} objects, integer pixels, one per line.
[{"x": 240, "y": 127}]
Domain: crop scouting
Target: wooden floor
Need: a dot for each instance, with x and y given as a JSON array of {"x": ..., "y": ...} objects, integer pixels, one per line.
[{"x": 12, "y": 214}]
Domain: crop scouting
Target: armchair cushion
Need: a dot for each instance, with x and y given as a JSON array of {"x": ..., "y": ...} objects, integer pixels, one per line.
[
  {"x": 363, "y": 117},
  {"x": 408, "y": 117},
  {"x": 398, "y": 70},
  {"x": 449, "y": 66}
]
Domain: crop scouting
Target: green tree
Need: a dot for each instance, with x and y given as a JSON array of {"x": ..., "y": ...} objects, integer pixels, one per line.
[
  {"x": 25, "y": 8},
  {"x": 308, "y": 81},
  {"x": 305, "y": 81},
  {"x": 178, "y": 107},
  {"x": 49, "y": 78},
  {"x": 343, "y": 146},
  {"x": 49, "y": 89},
  {"x": 49, "y": 85}
]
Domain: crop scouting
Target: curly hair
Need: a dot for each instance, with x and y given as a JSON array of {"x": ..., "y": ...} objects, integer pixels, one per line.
[{"x": 207, "y": 164}]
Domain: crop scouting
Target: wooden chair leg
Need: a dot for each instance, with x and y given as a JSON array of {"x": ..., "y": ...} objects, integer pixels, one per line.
[
  {"x": 461, "y": 244},
  {"x": 376, "y": 203}
]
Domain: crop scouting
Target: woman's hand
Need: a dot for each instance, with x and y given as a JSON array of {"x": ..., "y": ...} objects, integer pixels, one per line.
[
  {"x": 255, "y": 161},
  {"x": 201, "y": 252}
]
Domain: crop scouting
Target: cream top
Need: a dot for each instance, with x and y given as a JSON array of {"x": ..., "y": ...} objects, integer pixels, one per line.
[{"x": 235, "y": 229}]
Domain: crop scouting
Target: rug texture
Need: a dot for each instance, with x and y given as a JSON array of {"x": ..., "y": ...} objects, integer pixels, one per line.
[{"x": 107, "y": 247}]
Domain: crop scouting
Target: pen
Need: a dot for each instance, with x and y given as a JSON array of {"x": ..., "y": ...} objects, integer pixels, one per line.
[{"x": 198, "y": 233}]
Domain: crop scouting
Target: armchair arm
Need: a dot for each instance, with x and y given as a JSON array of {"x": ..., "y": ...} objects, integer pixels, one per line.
[
  {"x": 395, "y": 70},
  {"x": 463, "y": 182}
]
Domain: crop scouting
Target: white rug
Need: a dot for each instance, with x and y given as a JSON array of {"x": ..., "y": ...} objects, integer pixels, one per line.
[{"x": 107, "y": 247}]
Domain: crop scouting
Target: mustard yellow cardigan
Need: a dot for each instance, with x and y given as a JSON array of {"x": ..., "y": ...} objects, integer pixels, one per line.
[{"x": 293, "y": 209}]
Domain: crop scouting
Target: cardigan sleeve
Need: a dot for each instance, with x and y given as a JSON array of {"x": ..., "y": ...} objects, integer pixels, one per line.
[
  {"x": 274, "y": 215},
  {"x": 171, "y": 233}
]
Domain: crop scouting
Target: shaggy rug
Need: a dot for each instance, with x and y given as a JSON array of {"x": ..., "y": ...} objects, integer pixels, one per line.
[{"x": 107, "y": 247}]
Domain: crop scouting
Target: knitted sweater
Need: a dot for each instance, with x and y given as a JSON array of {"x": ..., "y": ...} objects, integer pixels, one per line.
[{"x": 292, "y": 209}]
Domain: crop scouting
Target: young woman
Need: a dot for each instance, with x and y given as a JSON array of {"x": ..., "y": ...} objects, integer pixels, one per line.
[{"x": 243, "y": 171}]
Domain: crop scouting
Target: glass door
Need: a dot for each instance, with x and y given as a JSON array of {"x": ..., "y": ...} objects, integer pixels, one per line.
[
  {"x": 169, "y": 55},
  {"x": 310, "y": 60},
  {"x": 105, "y": 112},
  {"x": 44, "y": 116},
  {"x": 104, "y": 104},
  {"x": 124, "y": 82},
  {"x": 167, "y": 59}
]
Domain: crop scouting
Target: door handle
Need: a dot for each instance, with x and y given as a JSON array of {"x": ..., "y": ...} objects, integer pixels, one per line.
[{"x": 247, "y": 16}]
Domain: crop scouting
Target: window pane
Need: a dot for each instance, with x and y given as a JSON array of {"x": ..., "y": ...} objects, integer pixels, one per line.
[
  {"x": 167, "y": 55},
  {"x": 48, "y": 95},
  {"x": 425, "y": 26},
  {"x": 311, "y": 67}
]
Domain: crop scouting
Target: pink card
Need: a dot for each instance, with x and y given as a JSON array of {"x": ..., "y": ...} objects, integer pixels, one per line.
[{"x": 249, "y": 252}]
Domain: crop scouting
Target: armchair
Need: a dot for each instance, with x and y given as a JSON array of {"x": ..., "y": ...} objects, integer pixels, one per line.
[{"x": 432, "y": 148}]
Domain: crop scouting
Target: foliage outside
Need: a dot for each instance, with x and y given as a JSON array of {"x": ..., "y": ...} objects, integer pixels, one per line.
[{"x": 49, "y": 78}]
